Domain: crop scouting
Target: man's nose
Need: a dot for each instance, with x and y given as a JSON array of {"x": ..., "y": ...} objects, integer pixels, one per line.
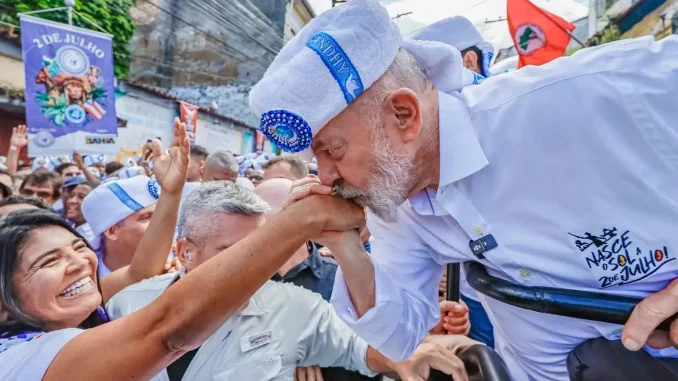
[{"x": 327, "y": 173}]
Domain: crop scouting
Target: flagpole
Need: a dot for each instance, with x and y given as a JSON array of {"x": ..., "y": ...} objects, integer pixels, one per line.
[
  {"x": 559, "y": 26},
  {"x": 69, "y": 5},
  {"x": 574, "y": 38}
]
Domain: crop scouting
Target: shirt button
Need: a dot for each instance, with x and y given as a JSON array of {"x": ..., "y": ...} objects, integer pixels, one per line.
[
  {"x": 524, "y": 273},
  {"x": 478, "y": 231}
]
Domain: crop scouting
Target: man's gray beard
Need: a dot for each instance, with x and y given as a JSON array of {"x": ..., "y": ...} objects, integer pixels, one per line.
[{"x": 390, "y": 184}]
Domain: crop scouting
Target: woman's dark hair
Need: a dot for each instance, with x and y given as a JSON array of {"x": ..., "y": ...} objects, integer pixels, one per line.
[
  {"x": 29, "y": 200},
  {"x": 15, "y": 230}
]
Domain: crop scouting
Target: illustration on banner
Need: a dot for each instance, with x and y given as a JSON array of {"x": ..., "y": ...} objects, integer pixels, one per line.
[{"x": 74, "y": 92}]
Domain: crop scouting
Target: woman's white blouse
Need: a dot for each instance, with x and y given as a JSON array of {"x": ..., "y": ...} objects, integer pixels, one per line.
[{"x": 29, "y": 361}]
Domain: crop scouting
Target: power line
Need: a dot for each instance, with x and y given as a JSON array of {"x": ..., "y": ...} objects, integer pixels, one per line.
[
  {"x": 174, "y": 67},
  {"x": 272, "y": 50},
  {"x": 211, "y": 10},
  {"x": 456, "y": 13},
  {"x": 152, "y": 61}
]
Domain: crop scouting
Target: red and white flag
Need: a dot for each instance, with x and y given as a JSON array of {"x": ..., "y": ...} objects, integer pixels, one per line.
[
  {"x": 94, "y": 109},
  {"x": 539, "y": 36}
]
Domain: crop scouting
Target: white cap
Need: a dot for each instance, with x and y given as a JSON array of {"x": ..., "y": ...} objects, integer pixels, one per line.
[
  {"x": 90, "y": 160},
  {"x": 114, "y": 201},
  {"x": 336, "y": 57},
  {"x": 459, "y": 32}
]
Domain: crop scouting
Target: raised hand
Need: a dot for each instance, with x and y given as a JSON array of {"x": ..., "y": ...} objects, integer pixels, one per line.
[
  {"x": 19, "y": 137},
  {"x": 171, "y": 167}
]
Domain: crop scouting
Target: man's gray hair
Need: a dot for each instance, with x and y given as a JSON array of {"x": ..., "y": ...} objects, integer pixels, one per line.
[
  {"x": 204, "y": 204},
  {"x": 405, "y": 71},
  {"x": 223, "y": 159}
]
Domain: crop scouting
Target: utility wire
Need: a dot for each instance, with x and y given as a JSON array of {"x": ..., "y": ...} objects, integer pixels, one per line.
[{"x": 272, "y": 50}]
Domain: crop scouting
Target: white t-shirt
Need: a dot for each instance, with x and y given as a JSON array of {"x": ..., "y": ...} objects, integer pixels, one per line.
[{"x": 29, "y": 361}]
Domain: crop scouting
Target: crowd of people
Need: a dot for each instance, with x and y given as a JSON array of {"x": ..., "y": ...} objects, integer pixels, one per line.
[
  {"x": 188, "y": 264},
  {"x": 93, "y": 242}
]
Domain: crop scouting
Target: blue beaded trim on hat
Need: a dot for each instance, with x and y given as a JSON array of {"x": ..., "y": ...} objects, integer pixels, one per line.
[
  {"x": 154, "y": 188},
  {"x": 287, "y": 130}
]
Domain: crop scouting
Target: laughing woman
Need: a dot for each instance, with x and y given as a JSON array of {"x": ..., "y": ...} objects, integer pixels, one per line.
[{"x": 53, "y": 325}]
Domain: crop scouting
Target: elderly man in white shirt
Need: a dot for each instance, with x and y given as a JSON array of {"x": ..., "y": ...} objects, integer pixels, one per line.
[
  {"x": 563, "y": 176},
  {"x": 282, "y": 327}
]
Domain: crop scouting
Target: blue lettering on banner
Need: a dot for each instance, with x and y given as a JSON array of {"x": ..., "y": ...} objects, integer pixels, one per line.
[
  {"x": 338, "y": 64},
  {"x": 615, "y": 260}
]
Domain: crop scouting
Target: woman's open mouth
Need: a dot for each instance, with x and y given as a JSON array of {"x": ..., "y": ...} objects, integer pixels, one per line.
[{"x": 78, "y": 287}]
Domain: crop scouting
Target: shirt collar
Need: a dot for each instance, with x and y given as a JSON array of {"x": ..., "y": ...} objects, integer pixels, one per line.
[
  {"x": 460, "y": 152},
  {"x": 253, "y": 308},
  {"x": 313, "y": 261}
]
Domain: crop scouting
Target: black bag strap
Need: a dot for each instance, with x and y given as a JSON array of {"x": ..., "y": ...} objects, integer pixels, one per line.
[{"x": 177, "y": 369}]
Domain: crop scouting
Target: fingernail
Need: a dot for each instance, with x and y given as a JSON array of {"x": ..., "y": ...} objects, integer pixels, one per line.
[
  {"x": 631, "y": 344},
  {"x": 458, "y": 307}
]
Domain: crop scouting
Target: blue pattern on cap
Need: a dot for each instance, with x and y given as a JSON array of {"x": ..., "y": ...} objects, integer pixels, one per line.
[
  {"x": 154, "y": 188},
  {"x": 287, "y": 130},
  {"x": 338, "y": 64},
  {"x": 487, "y": 58},
  {"x": 124, "y": 197}
]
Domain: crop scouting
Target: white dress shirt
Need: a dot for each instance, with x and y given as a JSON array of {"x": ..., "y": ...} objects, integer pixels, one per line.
[
  {"x": 583, "y": 145},
  {"x": 283, "y": 326}
]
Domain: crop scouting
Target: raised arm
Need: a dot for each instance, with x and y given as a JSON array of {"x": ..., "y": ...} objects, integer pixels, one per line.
[
  {"x": 77, "y": 159},
  {"x": 150, "y": 257},
  {"x": 140, "y": 345},
  {"x": 17, "y": 142}
]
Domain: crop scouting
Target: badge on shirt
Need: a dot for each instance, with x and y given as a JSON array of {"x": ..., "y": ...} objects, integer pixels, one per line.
[
  {"x": 258, "y": 340},
  {"x": 483, "y": 244}
]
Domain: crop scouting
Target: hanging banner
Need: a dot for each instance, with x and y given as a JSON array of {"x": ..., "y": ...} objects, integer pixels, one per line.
[
  {"x": 189, "y": 116},
  {"x": 70, "y": 97}
]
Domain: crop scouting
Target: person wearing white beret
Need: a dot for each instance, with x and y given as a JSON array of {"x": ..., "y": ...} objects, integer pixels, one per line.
[
  {"x": 459, "y": 32},
  {"x": 120, "y": 212},
  {"x": 523, "y": 173}
]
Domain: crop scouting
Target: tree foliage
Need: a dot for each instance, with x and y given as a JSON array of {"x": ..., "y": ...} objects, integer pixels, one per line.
[{"x": 111, "y": 15}]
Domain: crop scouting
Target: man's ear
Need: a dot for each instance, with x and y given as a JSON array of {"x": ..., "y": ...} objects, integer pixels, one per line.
[
  {"x": 471, "y": 61},
  {"x": 111, "y": 233},
  {"x": 404, "y": 113},
  {"x": 186, "y": 252}
]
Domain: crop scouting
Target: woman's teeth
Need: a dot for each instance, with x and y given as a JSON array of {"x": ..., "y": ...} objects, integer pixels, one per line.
[{"x": 78, "y": 287}]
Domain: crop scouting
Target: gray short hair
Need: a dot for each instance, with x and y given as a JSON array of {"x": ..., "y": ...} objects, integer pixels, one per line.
[
  {"x": 223, "y": 159},
  {"x": 205, "y": 203},
  {"x": 405, "y": 71}
]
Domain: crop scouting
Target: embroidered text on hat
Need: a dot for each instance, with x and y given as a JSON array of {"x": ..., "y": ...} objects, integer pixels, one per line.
[{"x": 338, "y": 64}]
